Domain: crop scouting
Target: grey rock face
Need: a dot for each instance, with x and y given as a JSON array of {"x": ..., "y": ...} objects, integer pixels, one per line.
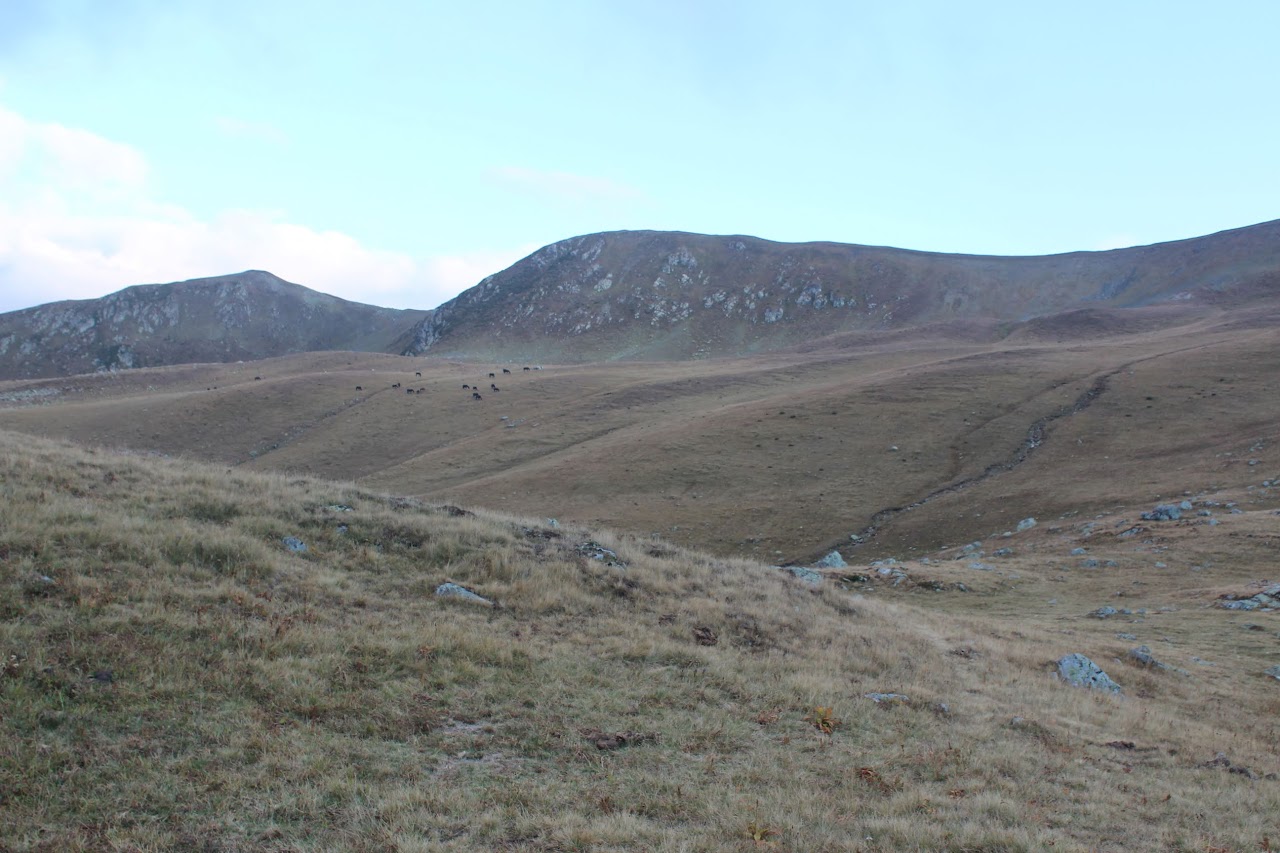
[
  {"x": 293, "y": 543},
  {"x": 1026, "y": 524},
  {"x": 1104, "y": 612},
  {"x": 1078, "y": 671}
]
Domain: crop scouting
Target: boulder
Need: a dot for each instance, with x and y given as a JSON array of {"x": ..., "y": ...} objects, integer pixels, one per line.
[
  {"x": 832, "y": 561},
  {"x": 809, "y": 576},
  {"x": 1163, "y": 512},
  {"x": 293, "y": 543},
  {"x": 1078, "y": 671},
  {"x": 449, "y": 589},
  {"x": 1026, "y": 524}
]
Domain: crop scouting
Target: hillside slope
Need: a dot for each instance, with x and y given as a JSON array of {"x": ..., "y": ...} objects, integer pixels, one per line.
[
  {"x": 249, "y": 315},
  {"x": 195, "y": 658},
  {"x": 659, "y": 295}
]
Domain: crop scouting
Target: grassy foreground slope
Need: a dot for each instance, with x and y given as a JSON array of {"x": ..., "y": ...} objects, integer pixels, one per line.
[{"x": 175, "y": 678}]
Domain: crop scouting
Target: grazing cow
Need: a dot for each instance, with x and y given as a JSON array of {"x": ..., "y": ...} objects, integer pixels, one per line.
[
  {"x": 397, "y": 385},
  {"x": 418, "y": 374},
  {"x": 493, "y": 387},
  {"x": 491, "y": 376},
  {"x": 359, "y": 387},
  {"x": 409, "y": 391},
  {"x": 526, "y": 368},
  {"x": 475, "y": 395},
  {"x": 259, "y": 378},
  {"x": 466, "y": 387},
  {"x": 504, "y": 370}
]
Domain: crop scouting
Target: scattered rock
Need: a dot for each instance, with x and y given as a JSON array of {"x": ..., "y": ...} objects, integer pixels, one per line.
[
  {"x": 339, "y": 508},
  {"x": 1127, "y": 637},
  {"x": 809, "y": 576},
  {"x": 1002, "y": 552},
  {"x": 887, "y": 698},
  {"x": 596, "y": 551},
  {"x": 616, "y": 740},
  {"x": 1026, "y": 524},
  {"x": 1089, "y": 564},
  {"x": 293, "y": 543},
  {"x": 1104, "y": 612},
  {"x": 449, "y": 589},
  {"x": 455, "y": 511},
  {"x": 1121, "y": 744},
  {"x": 1078, "y": 552},
  {"x": 1142, "y": 655},
  {"x": 1163, "y": 512},
  {"x": 1274, "y": 672},
  {"x": 551, "y": 522},
  {"x": 1078, "y": 671},
  {"x": 832, "y": 561},
  {"x": 704, "y": 636}
]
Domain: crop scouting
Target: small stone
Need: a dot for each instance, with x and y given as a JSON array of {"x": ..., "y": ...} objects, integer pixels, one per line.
[
  {"x": 1104, "y": 612},
  {"x": 449, "y": 589},
  {"x": 551, "y": 522},
  {"x": 1127, "y": 637},
  {"x": 1142, "y": 654},
  {"x": 294, "y": 544},
  {"x": 886, "y": 698},
  {"x": 1078, "y": 552},
  {"x": 1002, "y": 552},
  {"x": 1026, "y": 524},
  {"x": 1185, "y": 506},
  {"x": 1274, "y": 672}
]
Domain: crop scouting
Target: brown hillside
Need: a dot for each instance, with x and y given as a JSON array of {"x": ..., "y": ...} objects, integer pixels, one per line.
[{"x": 781, "y": 456}]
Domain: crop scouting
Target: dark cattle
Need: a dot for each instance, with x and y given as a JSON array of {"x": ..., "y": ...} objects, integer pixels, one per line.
[
  {"x": 491, "y": 376},
  {"x": 504, "y": 370},
  {"x": 493, "y": 387},
  {"x": 359, "y": 387},
  {"x": 475, "y": 395},
  {"x": 397, "y": 385},
  {"x": 408, "y": 391},
  {"x": 259, "y": 378},
  {"x": 526, "y": 368},
  {"x": 422, "y": 390},
  {"x": 418, "y": 374},
  {"x": 466, "y": 387}
]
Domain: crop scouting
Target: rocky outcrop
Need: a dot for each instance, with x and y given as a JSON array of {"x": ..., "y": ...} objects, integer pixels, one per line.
[{"x": 660, "y": 294}]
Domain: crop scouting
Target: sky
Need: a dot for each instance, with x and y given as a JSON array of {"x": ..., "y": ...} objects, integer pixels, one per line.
[{"x": 396, "y": 152}]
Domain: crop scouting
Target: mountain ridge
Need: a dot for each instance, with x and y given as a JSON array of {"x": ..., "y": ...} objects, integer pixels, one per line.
[{"x": 242, "y": 316}]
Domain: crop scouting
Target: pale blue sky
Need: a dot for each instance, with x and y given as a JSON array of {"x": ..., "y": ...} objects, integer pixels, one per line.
[{"x": 397, "y": 152}]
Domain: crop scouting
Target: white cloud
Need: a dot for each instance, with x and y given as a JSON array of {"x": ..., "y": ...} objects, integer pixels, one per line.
[
  {"x": 77, "y": 221},
  {"x": 565, "y": 186}
]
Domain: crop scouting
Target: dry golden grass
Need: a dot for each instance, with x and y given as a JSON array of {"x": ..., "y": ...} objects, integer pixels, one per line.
[{"x": 175, "y": 678}]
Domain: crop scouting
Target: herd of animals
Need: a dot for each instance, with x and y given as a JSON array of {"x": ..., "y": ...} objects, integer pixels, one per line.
[{"x": 474, "y": 389}]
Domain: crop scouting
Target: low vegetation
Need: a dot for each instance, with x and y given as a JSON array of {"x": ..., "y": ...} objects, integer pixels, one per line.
[{"x": 176, "y": 677}]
